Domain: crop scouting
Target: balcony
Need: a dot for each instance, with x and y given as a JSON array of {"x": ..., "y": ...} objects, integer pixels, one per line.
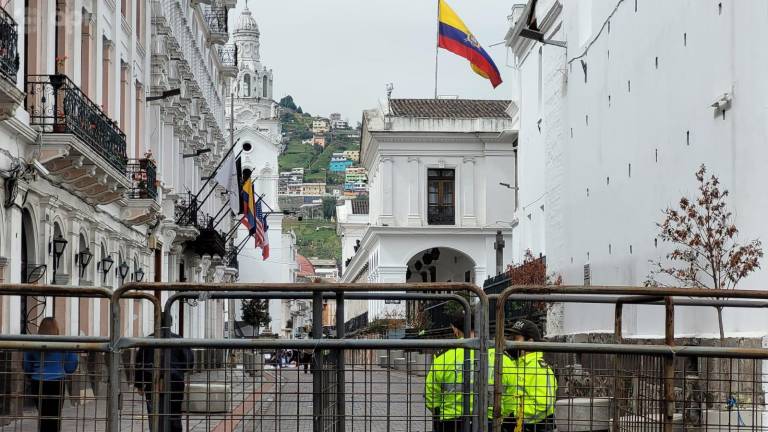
[
  {"x": 216, "y": 18},
  {"x": 10, "y": 95},
  {"x": 210, "y": 241},
  {"x": 228, "y": 56},
  {"x": 81, "y": 146},
  {"x": 441, "y": 215},
  {"x": 142, "y": 195}
]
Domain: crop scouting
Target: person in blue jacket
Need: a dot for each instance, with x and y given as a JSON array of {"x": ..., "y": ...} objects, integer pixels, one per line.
[{"x": 47, "y": 371}]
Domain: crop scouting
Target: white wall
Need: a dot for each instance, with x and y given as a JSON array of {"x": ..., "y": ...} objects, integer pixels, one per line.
[{"x": 660, "y": 121}]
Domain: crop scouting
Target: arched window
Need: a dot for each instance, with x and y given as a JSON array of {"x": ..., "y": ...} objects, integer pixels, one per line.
[
  {"x": 265, "y": 85},
  {"x": 247, "y": 85}
]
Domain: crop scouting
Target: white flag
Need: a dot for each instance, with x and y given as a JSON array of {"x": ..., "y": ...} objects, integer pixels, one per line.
[{"x": 227, "y": 177}]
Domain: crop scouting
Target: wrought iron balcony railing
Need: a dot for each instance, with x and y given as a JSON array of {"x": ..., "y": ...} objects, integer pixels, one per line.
[
  {"x": 441, "y": 215},
  {"x": 228, "y": 55},
  {"x": 57, "y": 105},
  {"x": 186, "y": 211},
  {"x": 143, "y": 176},
  {"x": 216, "y": 18},
  {"x": 9, "y": 40}
]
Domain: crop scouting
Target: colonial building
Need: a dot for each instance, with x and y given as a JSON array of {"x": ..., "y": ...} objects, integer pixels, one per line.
[
  {"x": 92, "y": 168},
  {"x": 612, "y": 131},
  {"x": 259, "y": 139},
  {"x": 434, "y": 170}
]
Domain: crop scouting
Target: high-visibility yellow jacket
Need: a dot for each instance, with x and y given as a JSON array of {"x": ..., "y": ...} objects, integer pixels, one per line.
[
  {"x": 444, "y": 384},
  {"x": 536, "y": 388}
]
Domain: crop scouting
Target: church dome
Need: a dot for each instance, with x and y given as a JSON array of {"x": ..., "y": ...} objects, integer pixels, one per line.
[{"x": 246, "y": 23}]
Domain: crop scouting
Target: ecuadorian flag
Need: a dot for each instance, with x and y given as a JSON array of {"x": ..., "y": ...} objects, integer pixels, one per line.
[
  {"x": 455, "y": 37},
  {"x": 249, "y": 218}
]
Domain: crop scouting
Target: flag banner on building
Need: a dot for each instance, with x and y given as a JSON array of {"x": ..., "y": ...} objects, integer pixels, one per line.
[
  {"x": 247, "y": 199},
  {"x": 260, "y": 232},
  {"x": 227, "y": 177},
  {"x": 454, "y": 36},
  {"x": 240, "y": 181}
]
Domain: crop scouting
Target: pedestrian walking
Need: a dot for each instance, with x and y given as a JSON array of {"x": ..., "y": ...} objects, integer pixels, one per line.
[
  {"x": 444, "y": 389},
  {"x": 535, "y": 382},
  {"x": 171, "y": 394},
  {"x": 306, "y": 358},
  {"x": 47, "y": 372}
]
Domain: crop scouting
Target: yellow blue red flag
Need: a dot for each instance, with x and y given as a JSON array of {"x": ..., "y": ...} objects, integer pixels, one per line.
[{"x": 455, "y": 37}]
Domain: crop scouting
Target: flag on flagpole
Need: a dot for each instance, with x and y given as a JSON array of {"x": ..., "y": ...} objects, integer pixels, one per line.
[
  {"x": 260, "y": 233},
  {"x": 454, "y": 36},
  {"x": 226, "y": 177},
  {"x": 248, "y": 219}
]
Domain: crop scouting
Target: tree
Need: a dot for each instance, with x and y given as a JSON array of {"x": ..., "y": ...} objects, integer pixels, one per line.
[
  {"x": 329, "y": 208},
  {"x": 705, "y": 248},
  {"x": 287, "y": 102},
  {"x": 256, "y": 313},
  {"x": 299, "y": 110}
]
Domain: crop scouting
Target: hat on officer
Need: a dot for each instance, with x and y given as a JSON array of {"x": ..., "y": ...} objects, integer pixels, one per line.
[{"x": 527, "y": 329}]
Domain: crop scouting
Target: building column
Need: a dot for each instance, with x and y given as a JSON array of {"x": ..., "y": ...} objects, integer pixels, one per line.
[
  {"x": 387, "y": 192},
  {"x": 468, "y": 196},
  {"x": 13, "y": 270},
  {"x": 414, "y": 192}
]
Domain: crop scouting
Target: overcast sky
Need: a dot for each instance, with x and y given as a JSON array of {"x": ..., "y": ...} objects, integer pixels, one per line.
[{"x": 338, "y": 55}]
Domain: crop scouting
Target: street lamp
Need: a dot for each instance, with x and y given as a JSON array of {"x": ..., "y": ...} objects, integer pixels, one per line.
[
  {"x": 59, "y": 244},
  {"x": 138, "y": 275},
  {"x": 106, "y": 265},
  {"x": 123, "y": 270},
  {"x": 84, "y": 258}
]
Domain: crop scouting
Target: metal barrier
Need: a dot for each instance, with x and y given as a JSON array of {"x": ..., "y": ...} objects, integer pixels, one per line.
[
  {"x": 618, "y": 386},
  {"x": 372, "y": 384},
  {"x": 31, "y": 390},
  {"x": 342, "y": 394}
]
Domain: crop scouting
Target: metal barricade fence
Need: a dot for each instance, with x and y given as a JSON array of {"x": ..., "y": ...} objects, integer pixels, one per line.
[
  {"x": 53, "y": 380},
  {"x": 617, "y": 384},
  {"x": 337, "y": 393}
]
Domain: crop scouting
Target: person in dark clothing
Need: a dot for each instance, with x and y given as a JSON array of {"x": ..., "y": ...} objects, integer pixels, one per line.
[
  {"x": 306, "y": 358},
  {"x": 47, "y": 371},
  {"x": 172, "y": 395}
]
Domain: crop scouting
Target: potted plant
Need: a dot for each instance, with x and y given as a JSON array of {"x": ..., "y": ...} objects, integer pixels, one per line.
[{"x": 57, "y": 79}]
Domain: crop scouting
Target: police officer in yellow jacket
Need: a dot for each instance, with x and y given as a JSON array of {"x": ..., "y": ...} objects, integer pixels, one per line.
[
  {"x": 444, "y": 393},
  {"x": 535, "y": 383}
]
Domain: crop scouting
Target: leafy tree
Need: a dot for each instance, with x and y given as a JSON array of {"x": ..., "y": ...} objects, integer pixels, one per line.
[
  {"x": 256, "y": 313},
  {"x": 706, "y": 252},
  {"x": 299, "y": 110},
  {"x": 287, "y": 102},
  {"x": 329, "y": 208}
]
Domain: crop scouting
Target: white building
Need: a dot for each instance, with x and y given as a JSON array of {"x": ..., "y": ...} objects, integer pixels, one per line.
[
  {"x": 258, "y": 134},
  {"x": 86, "y": 159},
  {"x": 435, "y": 200},
  {"x": 613, "y": 129}
]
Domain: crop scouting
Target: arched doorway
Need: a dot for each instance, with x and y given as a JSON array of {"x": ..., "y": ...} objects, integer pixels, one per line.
[
  {"x": 434, "y": 265},
  {"x": 30, "y": 272}
]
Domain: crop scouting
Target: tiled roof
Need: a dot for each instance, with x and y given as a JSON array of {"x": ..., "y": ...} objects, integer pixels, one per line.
[
  {"x": 449, "y": 108},
  {"x": 305, "y": 267},
  {"x": 360, "y": 207}
]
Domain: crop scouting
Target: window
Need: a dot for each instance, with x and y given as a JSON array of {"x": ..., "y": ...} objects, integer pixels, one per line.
[{"x": 442, "y": 197}]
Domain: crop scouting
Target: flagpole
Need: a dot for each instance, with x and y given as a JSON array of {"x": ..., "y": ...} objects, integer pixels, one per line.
[{"x": 437, "y": 45}]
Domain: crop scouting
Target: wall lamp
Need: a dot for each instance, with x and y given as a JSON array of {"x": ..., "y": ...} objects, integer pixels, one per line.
[
  {"x": 84, "y": 258},
  {"x": 106, "y": 265},
  {"x": 138, "y": 275},
  {"x": 122, "y": 270},
  {"x": 57, "y": 245}
]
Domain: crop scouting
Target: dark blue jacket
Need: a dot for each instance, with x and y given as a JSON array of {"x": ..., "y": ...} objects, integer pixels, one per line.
[
  {"x": 49, "y": 366},
  {"x": 182, "y": 361}
]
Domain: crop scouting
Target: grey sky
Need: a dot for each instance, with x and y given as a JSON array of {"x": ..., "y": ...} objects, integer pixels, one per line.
[{"x": 338, "y": 55}]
